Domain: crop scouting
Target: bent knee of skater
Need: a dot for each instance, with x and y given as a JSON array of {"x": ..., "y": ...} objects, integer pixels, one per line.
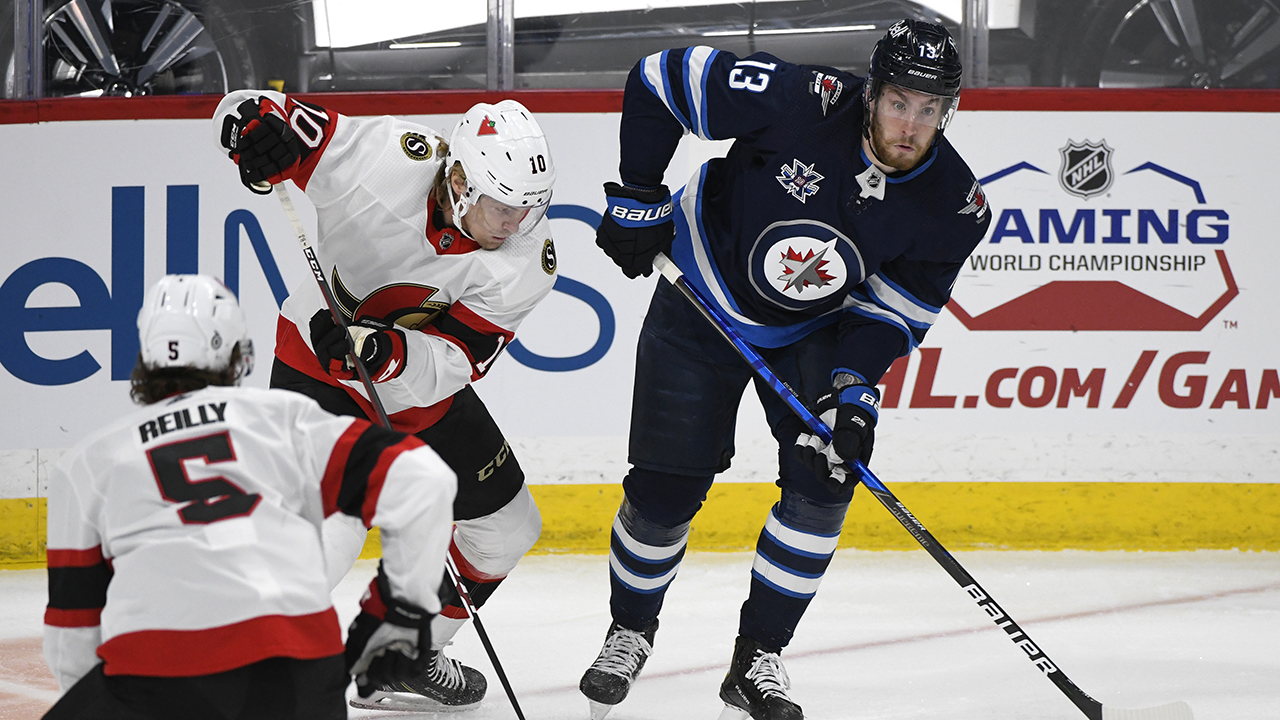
[{"x": 494, "y": 543}]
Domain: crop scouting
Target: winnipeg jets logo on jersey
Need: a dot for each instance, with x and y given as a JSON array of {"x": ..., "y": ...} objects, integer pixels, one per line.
[
  {"x": 800, "y": 180},
  {"x": 977, "y": 202},
  {"x": 828, "y": 88},
  {"x": 802, "y": 271},
  {"x": 806, "y": 267},
  {"x": 796, "y": 263}
]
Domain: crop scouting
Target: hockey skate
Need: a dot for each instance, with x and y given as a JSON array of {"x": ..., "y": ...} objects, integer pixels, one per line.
[
  {"x": 446, "y": 686},
  {"x": 756, "y": 685},
  {"x": 609, "y": 679}
]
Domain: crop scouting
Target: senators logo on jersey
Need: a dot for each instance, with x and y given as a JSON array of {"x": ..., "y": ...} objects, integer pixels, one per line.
[
  {"x": 415, "y": 146},
  {"x": 405, "y": 304},
  {"x": 549, "y": 257}
]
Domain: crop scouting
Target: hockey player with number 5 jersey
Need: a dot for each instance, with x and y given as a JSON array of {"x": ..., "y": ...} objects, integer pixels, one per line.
[
  {"x": 436, "y": 250},
  {"x": 830, "y": 236},
  {"x": 186, "y": 574}
]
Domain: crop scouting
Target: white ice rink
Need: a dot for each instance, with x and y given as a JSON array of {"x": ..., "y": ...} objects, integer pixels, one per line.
[{"x": 890, "y": 636}]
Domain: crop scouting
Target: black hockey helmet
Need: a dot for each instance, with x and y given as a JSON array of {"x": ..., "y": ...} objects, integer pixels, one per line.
[{"x": 919, "y": 56}]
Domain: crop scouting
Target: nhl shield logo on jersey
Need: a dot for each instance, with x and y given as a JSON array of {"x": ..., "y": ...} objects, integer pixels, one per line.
[
  {"x": 800, "y": 180},
  {"x": 1086, "y": 168}
]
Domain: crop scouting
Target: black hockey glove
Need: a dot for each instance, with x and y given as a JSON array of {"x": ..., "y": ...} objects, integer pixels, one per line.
[
  {"x": 262, "y": 144},
  {"x": 381, "y": 347},
  {"x": 389, "y": 641},
  {"x": 850, "y": 410},
  {"x": 637, "y": 226}
]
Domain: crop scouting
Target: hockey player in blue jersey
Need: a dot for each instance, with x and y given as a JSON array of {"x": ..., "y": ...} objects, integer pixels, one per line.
[{"x": 830, "y": 236}]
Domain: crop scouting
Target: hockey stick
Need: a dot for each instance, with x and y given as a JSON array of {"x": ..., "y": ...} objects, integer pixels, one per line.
[
  {"x": 287, "y": 202},
  {"x": 1092, "y": 709}
]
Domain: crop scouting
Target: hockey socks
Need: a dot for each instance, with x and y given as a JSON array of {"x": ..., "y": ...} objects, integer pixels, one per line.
[
  {"x": 792, "y": 554},
  {"x": 643, "y": 560}
]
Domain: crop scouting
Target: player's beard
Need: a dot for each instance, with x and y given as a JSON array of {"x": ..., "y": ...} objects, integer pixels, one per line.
[{"x": 888, "y": 153}]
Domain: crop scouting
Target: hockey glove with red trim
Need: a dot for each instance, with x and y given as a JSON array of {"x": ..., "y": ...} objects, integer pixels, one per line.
[
  {"x": 381, "y": 347},
  {"x": 389, "y": 641},
  {"x": 636, "y": 227},
  {"x": 262, "y": 144},
  {"x": 851, "y": 410}
]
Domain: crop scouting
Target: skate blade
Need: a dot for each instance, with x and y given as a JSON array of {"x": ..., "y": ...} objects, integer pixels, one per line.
[
  {"x": 411, "y": 702},
  {"x": 599, "y": 710},
  {"x": 733, "y": 712}
]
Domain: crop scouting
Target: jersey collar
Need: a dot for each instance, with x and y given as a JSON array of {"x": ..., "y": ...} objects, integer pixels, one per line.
[{"x": 445, "y": 239}]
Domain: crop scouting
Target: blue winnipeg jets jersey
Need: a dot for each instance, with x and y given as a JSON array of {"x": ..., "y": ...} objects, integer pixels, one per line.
[{"x": 795, "y": 229}]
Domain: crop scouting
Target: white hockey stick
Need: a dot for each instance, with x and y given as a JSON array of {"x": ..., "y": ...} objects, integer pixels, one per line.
[
  {"x": 287, "y": 202},
  {"x": 1092, "y": 709}
]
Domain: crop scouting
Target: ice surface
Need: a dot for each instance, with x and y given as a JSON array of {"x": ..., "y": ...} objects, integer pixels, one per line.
[{"x": 890, "y": 636}]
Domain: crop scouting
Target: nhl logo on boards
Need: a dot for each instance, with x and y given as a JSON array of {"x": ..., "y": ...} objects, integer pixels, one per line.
[
  {"x": 415, "y": 146},
  {"x": 1086, "y": 168},
  {"x": 800, "y": 180}
]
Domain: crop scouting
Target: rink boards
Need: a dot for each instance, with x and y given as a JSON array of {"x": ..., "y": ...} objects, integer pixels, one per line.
[{"x": 1105, "y": 377}]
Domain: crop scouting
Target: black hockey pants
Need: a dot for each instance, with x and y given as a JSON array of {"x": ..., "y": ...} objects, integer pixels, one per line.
[{"x": 272, "y": 689}]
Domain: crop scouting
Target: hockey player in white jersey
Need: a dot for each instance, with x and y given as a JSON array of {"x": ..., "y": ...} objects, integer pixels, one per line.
[
  {"x": 186, "y": 574},
  {"x": 436, "y": 249}
]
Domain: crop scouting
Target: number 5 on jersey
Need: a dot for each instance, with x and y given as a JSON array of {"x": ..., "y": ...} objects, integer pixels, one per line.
[{"x": 208, "y": 500}]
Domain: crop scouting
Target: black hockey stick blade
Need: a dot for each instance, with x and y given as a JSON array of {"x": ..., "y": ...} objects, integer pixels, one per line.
[{"x": 1091, "y": 708}]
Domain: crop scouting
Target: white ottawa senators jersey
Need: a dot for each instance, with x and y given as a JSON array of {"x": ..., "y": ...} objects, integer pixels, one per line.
[
  {"x": 184, "y": 539},
  {"x": 386, "y": 258}
]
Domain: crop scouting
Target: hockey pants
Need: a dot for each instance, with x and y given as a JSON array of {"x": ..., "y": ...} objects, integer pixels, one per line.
[{"x": 273, "y": 689}]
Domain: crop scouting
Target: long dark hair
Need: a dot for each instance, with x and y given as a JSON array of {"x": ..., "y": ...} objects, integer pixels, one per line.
[{"x": 151, "y": 384}]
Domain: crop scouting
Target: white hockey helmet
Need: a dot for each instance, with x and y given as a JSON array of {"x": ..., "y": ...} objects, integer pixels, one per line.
[
  {"x": 504, "y": 155},
  {"x": 193, "y": 321}
]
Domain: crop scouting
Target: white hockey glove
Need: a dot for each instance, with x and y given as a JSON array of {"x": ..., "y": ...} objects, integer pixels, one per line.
[{"x": 389, "y": 641}]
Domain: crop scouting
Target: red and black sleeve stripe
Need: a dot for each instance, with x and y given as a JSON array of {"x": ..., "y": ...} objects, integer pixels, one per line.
[
  {"x": 78, "y": 582},
  {"x": 480, "y": 339},
  {"x": 358, "y": 467}
]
